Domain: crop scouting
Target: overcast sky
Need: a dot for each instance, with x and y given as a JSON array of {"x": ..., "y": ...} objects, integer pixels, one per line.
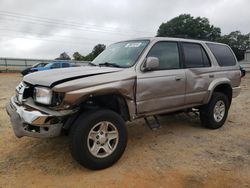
[{"x": 44, "y": 29}]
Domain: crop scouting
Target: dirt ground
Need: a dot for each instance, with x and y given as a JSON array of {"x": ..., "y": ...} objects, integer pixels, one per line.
[{"x": 180, "y": 154}]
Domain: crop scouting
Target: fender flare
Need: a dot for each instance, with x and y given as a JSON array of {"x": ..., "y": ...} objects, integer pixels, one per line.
[{"x": 216, "y": 83}]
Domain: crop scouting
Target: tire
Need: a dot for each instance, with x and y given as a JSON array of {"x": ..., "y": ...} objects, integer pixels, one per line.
[
  {"x": 211, "y": 118},
  {"x": 84, "y": 143}
]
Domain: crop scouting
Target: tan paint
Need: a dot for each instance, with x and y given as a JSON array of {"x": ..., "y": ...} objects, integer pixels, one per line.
[{"x": 145, "y": 92}]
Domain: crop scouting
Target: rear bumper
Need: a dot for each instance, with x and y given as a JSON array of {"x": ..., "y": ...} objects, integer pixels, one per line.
[
  {"x": 236, "y": 91},
  {"x": 32, "y": 122}
]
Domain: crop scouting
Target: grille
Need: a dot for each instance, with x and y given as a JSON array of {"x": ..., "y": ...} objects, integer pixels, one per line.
[
  {"x": 28, "y": 92},
  {"x": 24, "y": 91}
]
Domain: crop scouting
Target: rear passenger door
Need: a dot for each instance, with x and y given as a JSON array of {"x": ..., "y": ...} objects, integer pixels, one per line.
[{"x": 199, "y": 72}]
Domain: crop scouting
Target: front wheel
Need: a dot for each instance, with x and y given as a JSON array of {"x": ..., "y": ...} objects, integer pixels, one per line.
[
  {"x": 214, "y": 114},
  {"x": 98, "y": 139}
]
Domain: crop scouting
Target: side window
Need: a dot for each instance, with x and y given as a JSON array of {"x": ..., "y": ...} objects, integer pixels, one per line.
[
  {"x": 223, "y": 54},
  {"x": 65, "y": 65},
  {"x": 56, "y": 65},
  {"x": 167, "y": 53},
  {"x": 195, "y": 56}
]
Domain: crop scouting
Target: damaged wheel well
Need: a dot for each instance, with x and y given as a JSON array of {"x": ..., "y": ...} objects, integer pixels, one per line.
[{"x": 114, "y": 102}]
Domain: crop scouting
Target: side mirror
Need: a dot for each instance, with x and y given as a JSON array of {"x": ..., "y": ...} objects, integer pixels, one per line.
[{"x": 150, "y": 64}]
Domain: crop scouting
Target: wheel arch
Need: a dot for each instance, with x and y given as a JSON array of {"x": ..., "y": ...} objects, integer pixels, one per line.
[
  {"x": 113, "y": 101},
  {"x": 222, "y": 86}
]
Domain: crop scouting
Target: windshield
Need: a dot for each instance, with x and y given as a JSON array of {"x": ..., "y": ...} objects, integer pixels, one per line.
[
  {"x": 122, "y": 54},
  {"x": 35, "y": 65},
  {"x": 39, "y": 65}
]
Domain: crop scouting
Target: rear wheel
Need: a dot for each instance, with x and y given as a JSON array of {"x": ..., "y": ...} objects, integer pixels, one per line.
[
  {"x": 214, "y": 114},
  {"x": 98, "y": 139}
]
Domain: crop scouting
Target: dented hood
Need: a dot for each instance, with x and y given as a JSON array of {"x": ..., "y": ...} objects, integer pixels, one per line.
[{"x": 50, "y": 78}]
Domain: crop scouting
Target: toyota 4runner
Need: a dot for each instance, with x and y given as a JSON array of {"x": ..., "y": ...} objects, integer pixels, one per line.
[{"x": 131, "y": 79}]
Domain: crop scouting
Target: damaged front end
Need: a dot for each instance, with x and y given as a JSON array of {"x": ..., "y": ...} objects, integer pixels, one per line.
[
  {"x": 46, "y": 101},
  {"x": 29, "y": 119}
]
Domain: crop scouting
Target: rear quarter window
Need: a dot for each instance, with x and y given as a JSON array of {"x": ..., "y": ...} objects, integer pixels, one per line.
[{"x": 223, "y": 54}]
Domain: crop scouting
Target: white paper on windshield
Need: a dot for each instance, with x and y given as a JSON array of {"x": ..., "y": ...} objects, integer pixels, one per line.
[{"x": 133, "y": 45}]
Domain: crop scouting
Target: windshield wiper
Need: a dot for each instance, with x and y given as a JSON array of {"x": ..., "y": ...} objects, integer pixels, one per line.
[
  {"x": 109, "y": 64},
  {"x": 92, "y": 64}
]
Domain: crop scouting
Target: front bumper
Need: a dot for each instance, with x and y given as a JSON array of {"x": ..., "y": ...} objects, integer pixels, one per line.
[{"x": 28, "y": 121}]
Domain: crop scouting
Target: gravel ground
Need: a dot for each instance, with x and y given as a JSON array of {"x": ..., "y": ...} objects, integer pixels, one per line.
[{"x": 180, "y": 154}]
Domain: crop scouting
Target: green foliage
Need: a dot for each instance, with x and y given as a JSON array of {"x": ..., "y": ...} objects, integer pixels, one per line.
[
  {"x": 186, "y": 26},
  {"x": 63, "y": 56},
  {"x": 91, "y": 56},
  {"x": 78, "y": 57},
  {"x": 238, "y": 42},
  {"x": 97, "y": 50}
]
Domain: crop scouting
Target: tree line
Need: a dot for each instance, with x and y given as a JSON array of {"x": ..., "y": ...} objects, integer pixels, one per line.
[
  {"x": 79, "y": 57},
  {"x": 185, "y": 26}
]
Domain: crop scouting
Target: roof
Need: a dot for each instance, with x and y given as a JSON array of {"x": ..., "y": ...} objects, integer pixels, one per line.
[{"x": 173, "y": 39}]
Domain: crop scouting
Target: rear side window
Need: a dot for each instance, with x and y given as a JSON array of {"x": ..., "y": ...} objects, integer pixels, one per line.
[
  {"x": 195, "y": 56},
  {"x": 65, "y": 65},
  {"x": 167, "y": 53},
  {"x": 223, "y": 54},
  {"x": 56, "y": 65}
]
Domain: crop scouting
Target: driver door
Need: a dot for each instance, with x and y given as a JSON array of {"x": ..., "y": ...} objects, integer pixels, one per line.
[{"x": 164, "y": 88}]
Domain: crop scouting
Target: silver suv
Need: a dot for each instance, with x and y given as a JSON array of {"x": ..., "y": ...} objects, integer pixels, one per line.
[{"x": 133, "y": 79}]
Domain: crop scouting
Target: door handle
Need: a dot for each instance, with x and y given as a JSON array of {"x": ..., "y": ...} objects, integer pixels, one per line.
[{"x": 178, "y": 78}]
